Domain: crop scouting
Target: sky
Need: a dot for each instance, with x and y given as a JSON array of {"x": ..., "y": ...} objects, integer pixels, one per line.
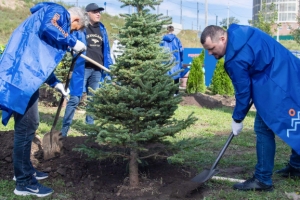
[{"x": 217, "y": 10}]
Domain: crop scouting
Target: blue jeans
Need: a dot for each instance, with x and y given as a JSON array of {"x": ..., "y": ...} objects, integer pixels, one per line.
[
  {"x": 265, "y": 150},
  {"x": 92, "y": 78},
  {"x": 69, "y": 114},
  {"x": 25, "y": 127}
]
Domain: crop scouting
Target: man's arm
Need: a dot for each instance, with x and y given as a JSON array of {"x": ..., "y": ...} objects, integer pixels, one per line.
[
  {"x": 56, "y": 26},
  {"x": 239, "y": 74}
]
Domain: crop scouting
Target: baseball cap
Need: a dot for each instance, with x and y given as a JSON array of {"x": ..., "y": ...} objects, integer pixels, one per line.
[{"x": 92, "y": 7}]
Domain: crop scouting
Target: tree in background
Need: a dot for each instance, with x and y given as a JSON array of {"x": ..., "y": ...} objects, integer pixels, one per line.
[
  {"x": 232, "y": 20},
  {"x": 221, "y": 83},
  {"x": 266, "y": 19},
  {"x": 137, "y": 110},
  {"x": 196, "y": 81},
  {"x": 296, "y": 32}
]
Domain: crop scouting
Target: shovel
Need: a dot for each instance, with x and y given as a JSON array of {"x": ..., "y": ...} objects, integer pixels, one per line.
[
  {"x": 187, "y": 187},
  {"x": 208, "y": 173},
  {"x": 52, "y": 143}
]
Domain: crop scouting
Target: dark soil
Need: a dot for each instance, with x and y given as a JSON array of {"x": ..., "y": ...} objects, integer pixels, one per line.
[{"x": 108, "y": 179}]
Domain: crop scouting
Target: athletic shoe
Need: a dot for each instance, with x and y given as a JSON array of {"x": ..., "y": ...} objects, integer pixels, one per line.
[
  {"x": 252, "y": 184},
  {"x": 38, "y": 175},
  {"x": 36, "y": 189},
  {"x": 289, "y": 171}
]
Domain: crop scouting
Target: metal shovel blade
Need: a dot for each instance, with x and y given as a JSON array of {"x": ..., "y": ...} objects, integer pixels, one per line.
[{"x": 205, "y": 175}]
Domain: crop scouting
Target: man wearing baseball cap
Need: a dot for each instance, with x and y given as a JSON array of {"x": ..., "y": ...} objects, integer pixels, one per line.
[{"x": 87, "y": 75}]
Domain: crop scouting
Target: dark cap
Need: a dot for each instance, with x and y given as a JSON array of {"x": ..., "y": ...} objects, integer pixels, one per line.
[{"x": 92, "y": 7}]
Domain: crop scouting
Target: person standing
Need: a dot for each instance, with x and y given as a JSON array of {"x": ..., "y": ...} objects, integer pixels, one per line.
[
  {"x": 173, "y": 43},
  {"x": 98, "y": 49},
  {"x": 87, "y": 74},
  {"x": 34, "y": 50},
  {"x": 265, "y": 72}
]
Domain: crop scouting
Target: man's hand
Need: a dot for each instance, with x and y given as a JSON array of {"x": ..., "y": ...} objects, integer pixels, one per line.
[
  {"x": 79, "y": 46},
  {"x": 60, "y": 87},
  {"x": 236, "y": 127}
]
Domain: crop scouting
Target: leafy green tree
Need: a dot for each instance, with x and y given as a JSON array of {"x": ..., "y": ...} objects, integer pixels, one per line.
[
  {"x": 137, "y": 110},
  {"x": 221, "y": 83},
  {"x": 296, "y": 32},
  {"x": 266, "y": 19},
  {"x": 196, "y": 81},
  {"x": 232, "y": 20}
]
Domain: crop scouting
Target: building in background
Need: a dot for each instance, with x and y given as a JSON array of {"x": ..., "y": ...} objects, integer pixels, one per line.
[{"x": 288, "y": 10}]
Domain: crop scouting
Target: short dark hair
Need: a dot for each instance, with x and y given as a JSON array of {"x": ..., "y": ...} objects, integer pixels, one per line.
[
  {"x": 170, "y": 28},
  {"x": 213, "y": 32}
]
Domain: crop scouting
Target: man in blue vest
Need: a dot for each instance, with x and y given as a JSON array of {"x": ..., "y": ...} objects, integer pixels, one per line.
[
  {"x": 264, "y": 71},
  {"x": 173, "y": 44},
  {"x": 30, "y": 57},
  {"x": 87, "y": 74}
]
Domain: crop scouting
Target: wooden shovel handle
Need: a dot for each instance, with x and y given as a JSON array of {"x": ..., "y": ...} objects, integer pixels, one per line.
[{"x": 94, "y": 62}]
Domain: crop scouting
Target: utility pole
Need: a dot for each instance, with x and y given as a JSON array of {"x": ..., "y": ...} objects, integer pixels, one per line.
[
  {"x": 167, "y": 13},
  {"x": 216, "y": 20},
  {"x": 197, "y": 16},
  {"x": 206, "y": 12},
  {"x": 181, "y": 13},
  {"x": 228, "y": 15},
  {"x": 192, "y": 26}
]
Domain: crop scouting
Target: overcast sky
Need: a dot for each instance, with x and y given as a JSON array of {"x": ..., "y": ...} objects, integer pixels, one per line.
[{"x": 240, "y": 9}]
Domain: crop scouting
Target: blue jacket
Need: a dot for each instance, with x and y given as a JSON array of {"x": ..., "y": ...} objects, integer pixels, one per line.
[
  {"x": 171, "y": 42},
  {"x": 77, "y": 80},
  {"x": 263, "y": 70},
  {"x": 31, "y": 55}
]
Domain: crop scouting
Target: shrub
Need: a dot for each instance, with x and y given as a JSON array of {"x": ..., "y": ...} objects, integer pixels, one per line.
[
  {"x": 196, "y": 81},
  {"x": 221, "y": 83}
]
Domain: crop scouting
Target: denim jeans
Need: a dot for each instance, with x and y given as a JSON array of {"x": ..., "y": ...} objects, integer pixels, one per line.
[
  {"x": 69, "y": 114},
  {"x": 25, "y": 127},
  {"x": 265, "y": 150},
  {"x": 91, "y": 79}
]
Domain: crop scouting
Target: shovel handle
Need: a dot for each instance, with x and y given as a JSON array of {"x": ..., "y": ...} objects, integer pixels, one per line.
[
  {"x": 62, "y": 98},
  {"x": 222, "y": 151},
  {"x": 227, "y": 143},
  {"x": 94, "y": 62}
]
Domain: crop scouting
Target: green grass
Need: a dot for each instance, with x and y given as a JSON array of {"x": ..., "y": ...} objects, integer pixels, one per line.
[{"x": 200, "y": 145}]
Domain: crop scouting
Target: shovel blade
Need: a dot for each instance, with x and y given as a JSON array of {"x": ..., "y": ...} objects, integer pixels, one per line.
[
  {"x": 205, "y": 175},
  {"x": 53, "y": 149}
]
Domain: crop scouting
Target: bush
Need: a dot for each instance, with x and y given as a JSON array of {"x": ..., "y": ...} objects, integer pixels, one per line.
[
  {"x": 196, "y": 81},
  {"x": 221, "y": 83}
]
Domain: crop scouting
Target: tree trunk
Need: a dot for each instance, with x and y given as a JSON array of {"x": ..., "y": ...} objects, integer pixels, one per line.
[{"x": 133, "y": 169}]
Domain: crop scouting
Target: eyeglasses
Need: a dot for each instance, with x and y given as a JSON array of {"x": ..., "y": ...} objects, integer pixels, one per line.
[{"x": 96, "y": 11}]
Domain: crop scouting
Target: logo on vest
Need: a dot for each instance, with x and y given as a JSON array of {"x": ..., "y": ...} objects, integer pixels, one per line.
[{"x": 294, "y": 121}]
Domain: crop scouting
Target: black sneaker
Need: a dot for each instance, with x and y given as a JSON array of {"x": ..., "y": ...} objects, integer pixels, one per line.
[
  {"x": 289, "y": 171},
  {"x": 252, "y": 184}
]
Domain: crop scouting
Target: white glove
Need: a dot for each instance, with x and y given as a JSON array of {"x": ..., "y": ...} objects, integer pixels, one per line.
[
  {"x": 79, "y": 46},
  {"x": 60, "y": 87},
  {"x": 236, "y": 127}
]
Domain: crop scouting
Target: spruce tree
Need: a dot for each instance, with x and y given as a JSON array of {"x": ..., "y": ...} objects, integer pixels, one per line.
[
  {"x": 196, "y": 81},
  {"x": 137, "y": 108},
  {"x": 221, "y": 83}
]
